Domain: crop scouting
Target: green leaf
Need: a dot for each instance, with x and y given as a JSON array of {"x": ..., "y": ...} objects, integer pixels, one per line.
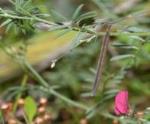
[
  {"x": 137, "y": 38},
  {"x": 30, "y": 108},
  {"x": 5, "y": 22},
  {"x": 87, "y": 15},
  {"x": 137, "y": 29},
  {"x": 57, "y": 16},
  {"x": 119, "y": 57},
  {"x": 9, "y": 26},
  {"x": 77, "y": 11},
  {"x": 125, "y": 46},
  {"x": 86, "y": 19}
]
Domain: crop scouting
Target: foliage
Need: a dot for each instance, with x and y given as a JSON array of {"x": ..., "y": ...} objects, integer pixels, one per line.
[
  {"x": 30, "y": 108},
  {"x": 69, "y": 81}
]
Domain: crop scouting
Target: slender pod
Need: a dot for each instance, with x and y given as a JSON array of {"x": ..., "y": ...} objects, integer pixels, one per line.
[{"x": 102, "y": 55}]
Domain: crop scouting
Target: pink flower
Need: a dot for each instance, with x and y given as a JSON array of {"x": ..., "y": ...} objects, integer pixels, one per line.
[{"x": 121, "y": 103}]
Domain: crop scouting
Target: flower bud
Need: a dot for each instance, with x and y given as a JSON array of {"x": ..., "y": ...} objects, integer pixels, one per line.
[
  {"x": 47, "y": 117},
  {"x": 121, "y": 103},
  {"x": 41, "y": 110},
  {"x": 21, "y": 102},
  {"x": 4, "y": 107},
  {"x": 39, "y": 120},
  {"x": 43, "y": 101}
]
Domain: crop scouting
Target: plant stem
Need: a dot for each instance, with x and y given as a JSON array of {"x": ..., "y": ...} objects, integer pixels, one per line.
[
  {"x": 126, "y": 33},
  {"x": 35, "y": 74},
  {"x": 24, "y": 81},
  {"x": 46, "y": 88},
  {"x": 111, "y": 33}
]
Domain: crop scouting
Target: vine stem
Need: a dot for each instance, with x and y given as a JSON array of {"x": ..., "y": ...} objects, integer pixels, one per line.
[
  {"x": 47, "y": 89},
  {"x": 111, "y": 33}
]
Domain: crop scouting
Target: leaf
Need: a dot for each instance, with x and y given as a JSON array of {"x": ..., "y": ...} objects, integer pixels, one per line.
[
  {"x": 119, "y": 57},
  {"x": 87, "y": 15},
  {"x": 57, "y": 16},
  {"x": 30, "y": 108},
  {"x": 125, "y": 46},
  {"x": 100, "y": 4},
  {"x": 5, "y": 22},
  {"x": 137, "y": 38},
  {"x": 9, "y": 26},
  {"x": 131, "y": 47},
  {"x": 77, "y": 11},
  {"x": 86, "y": 19},
  {"x": 110, "y": 92},
  {"x": 137, "y": 29}
]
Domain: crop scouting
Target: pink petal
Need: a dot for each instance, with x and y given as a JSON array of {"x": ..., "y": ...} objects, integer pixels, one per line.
[{"x": 121, "y": 103}]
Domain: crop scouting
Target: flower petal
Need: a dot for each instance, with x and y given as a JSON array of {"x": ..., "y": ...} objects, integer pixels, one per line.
[{"x": 121, "y": 103}]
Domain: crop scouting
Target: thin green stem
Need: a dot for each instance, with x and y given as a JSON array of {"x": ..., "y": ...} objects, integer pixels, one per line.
[
  {"x": 125, "y": 33},
  {"x": 2, "y": 117},
  {"x": 69, "y": 101},
  {"x": 35, "y": 74},
  {"x": 24, "y": 81},
  {"x": 15, "y": 17},
  {"x": 44, "y": 21},
  {"x": 48, "y": 89},
  {"x": 111, "y": 33}
]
